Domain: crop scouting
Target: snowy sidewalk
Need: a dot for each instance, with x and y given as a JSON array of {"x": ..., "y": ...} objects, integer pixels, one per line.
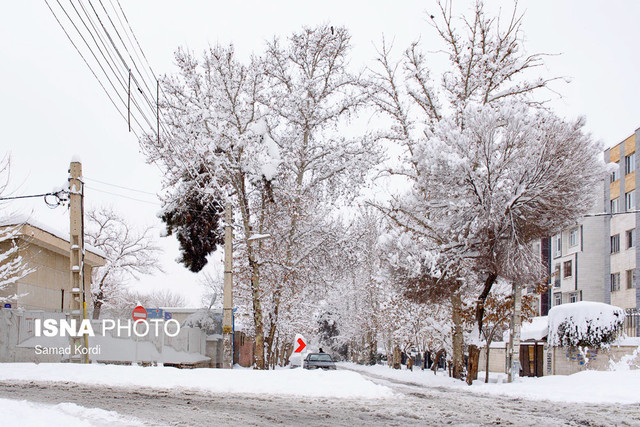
[
  {"x": 21, "y": 412},
  {"x": 291, "y": 382},
  {"x": 586, "y": 387}
]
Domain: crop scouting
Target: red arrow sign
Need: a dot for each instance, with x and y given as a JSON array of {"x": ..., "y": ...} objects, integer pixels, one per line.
[
  {"x": 139, "y": 313},
  {"x": 301, "y": 346}
]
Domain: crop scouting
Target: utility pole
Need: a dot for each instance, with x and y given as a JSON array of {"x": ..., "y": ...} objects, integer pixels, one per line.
[
  {"x": 514, "y": 336},
  {"x": 227, "y": 319},
  {"x": 78, "y": 303}
]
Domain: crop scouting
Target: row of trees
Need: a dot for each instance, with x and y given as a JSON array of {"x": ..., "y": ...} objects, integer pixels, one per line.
[{"x": 485, "y": 170}]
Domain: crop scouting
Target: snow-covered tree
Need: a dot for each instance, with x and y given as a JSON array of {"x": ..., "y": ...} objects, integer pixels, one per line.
[
  {"x": 13, "y": 266},
  {"x": 127, "y": 299},
  {"x": 311, "y": 93},
  {"x": 218, "y": 150},
  {"x": 263, "y": 136},
  {"x": 489, "y": 169},
  {"x": 213, "y": 284},
  {"x": 129, "y": 253}
]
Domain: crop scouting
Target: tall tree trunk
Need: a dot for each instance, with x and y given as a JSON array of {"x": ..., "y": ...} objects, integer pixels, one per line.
[
  {"x": 97, "y": 306},
  {"x": 474, "y": 360},
  {"x": 373, "y": 349},
  {"x": 397, "y": 358},
  {"x": 457, "y": 356},
  {"x": 277, "y": 294},
  {"x": 257, "y": 315},
  {"x": 474, "y": 352},
  {"x": 254, "y": 267},
  {"x": 486, "y": 364},
  {"x": 436, "y": 360}
]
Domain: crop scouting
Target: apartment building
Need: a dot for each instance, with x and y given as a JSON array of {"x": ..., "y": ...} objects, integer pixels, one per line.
[
  {"x": 620, "y": 203},
  {"x": 578, "y": 259},
  {"x": 596, "y": 259}
]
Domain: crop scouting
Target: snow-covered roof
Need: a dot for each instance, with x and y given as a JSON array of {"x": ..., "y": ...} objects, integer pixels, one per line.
[
  {"x": 535, "y": 329},
  {"x": 20, "y": 219}
]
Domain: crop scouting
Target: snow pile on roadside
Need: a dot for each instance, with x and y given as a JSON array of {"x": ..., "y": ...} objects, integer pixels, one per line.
[
  {"x": 626, "y": 362},
  {"x": 295, "y": 382},
  {"x": 417, "y": 376},
  {"x": 21, "y": 412},
  {"x": 586, "y": 387}
]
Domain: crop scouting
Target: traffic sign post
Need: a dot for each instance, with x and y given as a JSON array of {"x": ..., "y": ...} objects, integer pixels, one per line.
[
  {"x": 299, "y": 346},
  {"x": 155, "y": 313},
  {"x": 139, "y": 313}
]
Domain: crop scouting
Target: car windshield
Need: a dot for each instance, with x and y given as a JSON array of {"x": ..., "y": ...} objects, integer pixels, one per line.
[{"x": 320, "y": 358}]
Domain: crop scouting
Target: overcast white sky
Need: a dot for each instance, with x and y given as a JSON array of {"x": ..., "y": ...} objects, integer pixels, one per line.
[{"x": 52, "y": 108}]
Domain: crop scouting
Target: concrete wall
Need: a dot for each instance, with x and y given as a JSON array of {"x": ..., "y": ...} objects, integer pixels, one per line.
[
  {"x": 568, "y": 360},
  {"x": 564, "y": 360},
  {"x": 497, "y": 359}
]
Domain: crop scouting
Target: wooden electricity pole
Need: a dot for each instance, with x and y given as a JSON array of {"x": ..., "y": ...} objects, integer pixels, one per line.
[
  {"x": 78, "y": 306},
  {"x": 514, "y": 336}
]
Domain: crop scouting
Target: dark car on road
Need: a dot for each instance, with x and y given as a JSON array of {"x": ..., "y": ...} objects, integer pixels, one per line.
[{"x": 318, "y": 361}]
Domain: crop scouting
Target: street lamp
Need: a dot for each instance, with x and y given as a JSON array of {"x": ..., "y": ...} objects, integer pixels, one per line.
[{"x": 227, "y": 313}]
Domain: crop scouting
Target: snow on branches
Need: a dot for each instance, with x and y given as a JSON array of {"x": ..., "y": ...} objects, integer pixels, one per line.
[
  {"x": 129, "y": 253},
  {"x": 489, "y": 170},
  {"x": 13, "y": 266}
]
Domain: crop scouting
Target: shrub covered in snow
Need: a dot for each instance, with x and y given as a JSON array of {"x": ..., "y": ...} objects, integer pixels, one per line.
[{"x": 584, "y": 323}]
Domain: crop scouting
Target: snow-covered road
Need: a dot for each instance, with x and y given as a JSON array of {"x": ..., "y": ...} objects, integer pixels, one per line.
[{"x": 410, "y": 405}]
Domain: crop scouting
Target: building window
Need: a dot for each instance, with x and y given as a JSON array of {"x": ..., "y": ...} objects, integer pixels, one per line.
[
  {"x": 573, "y": 297},
  {"x": 573, "y": 237},
  {"x": 630, "y": 163},
  {"x": 630, "y": 275},
  {"x": 631, "y": 240},
  {"x": 556, "y": 276},
  {"x": 615, "y": 205},
  {"x": 558, "y": 245},
  {"x": 615, "y": 244},
  {"x": 615, "y": 174},
  {"x": 557, "y": 298},
  {"x": 630, "y": 200},
  {"x": 615, "y": 282},
  {"x": 567, "y": 269}
]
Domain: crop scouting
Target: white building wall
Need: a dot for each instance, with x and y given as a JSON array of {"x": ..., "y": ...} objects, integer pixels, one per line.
[{"x": 588, "y": 257}]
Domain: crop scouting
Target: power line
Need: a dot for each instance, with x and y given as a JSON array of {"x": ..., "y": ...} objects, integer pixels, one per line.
[
  {"x": 120, "y": 186},
  {"x": 62, "y": 26},
  {"x": 123, "y": 196},
  {"x": 61, "y": 196},
  {"x": 26, "y": 196},
  {"x": 85, "y": 60},
  {"x": 111, "y": 65}
]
